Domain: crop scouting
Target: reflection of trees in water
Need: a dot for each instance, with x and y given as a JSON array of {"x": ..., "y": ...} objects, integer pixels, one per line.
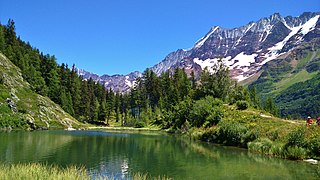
[{"x": 30, "y": 146}]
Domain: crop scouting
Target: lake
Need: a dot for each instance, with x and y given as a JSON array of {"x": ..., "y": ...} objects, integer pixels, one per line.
[{"x": 119, "y": 154}]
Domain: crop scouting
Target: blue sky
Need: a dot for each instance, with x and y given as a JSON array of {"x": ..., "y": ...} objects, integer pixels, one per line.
[{"x": 121, "y": 36}]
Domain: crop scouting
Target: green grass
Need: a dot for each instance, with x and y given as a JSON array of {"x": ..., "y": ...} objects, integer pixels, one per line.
[
  {"x": 4, "y": 93},
  {"x": 289, "y": 81},
  {"x": 302, "y": 62},
  {"x": 36, "y": 171},
  {"x": 263, "y": 134}
]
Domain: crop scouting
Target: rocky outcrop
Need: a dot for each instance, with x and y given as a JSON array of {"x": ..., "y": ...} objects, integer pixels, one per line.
[{"x": 12, "y": 105}]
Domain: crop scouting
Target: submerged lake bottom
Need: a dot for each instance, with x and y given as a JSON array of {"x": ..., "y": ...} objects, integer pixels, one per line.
[{"x": 121, "y": 154}]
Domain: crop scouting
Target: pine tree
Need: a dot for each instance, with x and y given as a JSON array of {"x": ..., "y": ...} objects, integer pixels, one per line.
[
  {"x": 75, "y": 91},
  {"x": 255, "y": 100},
  {"x": 193, "y": 81},
  {"x": 10, "y": 33},
  {"x": 84, "y": 106},
  {"x": 117, "y": 106},
  {"x": 92, "y": 101},
  {"x": 2, "y": 39},
  {"x": 109, "y": 105},
  {"x": 271, "y": 107},
  {"x": 36, "y": 81},
  {"x": 66, "y": 101},
  {"x": 135, "y": 102}
]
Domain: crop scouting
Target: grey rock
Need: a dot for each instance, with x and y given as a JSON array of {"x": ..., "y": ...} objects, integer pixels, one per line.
[{"x": 12, "y": 105}]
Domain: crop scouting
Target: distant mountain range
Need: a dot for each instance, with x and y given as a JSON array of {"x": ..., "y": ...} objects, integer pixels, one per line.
[{"x": 245, "y": 50}]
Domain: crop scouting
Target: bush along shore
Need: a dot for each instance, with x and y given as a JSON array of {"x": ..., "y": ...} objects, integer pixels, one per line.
[{"x": 263, "y": 134}]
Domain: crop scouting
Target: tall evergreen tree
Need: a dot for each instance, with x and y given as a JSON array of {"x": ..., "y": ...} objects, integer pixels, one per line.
[
  {"x": 75, "y": 91},
  {"x": 85, "y": 101},
  {"x": 2, "y": 39}
]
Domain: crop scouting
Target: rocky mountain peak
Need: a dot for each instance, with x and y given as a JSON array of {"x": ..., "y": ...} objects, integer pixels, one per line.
[{"x": 243, "y": 49}]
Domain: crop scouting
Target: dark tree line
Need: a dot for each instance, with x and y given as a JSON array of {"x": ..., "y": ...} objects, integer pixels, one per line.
[
  {"x": 85, "y": 100},
  {"x": 173, "y": 99}
]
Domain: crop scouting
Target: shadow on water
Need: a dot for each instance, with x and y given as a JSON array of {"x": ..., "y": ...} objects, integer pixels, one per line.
[{"x": 120, "y": 154}]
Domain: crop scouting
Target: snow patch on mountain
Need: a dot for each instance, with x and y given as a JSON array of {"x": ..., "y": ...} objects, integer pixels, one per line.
[
  {"x": 241, "y": 77},
  {"x": 209, "y": 63},
  {"x": 128, "y": 83},
  {"x": 244, "y": 60},
  {"x": 310, "y": 25},
  {"x": 241, "y": 60}
]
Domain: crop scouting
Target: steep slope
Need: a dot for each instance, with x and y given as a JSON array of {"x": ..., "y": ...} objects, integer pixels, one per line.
[
  {"x": 293, "y": 81},
  {"x": 244, "y": 49},
  {"x": 20, "y": 107}
]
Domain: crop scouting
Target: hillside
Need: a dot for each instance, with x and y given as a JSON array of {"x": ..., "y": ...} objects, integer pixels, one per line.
[
  {"x": 20, "y": 107},
  {"x": 293, "y": 80}
]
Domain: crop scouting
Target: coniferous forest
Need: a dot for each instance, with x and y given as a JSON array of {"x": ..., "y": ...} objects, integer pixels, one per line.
[{"x": 172, "y": 100}]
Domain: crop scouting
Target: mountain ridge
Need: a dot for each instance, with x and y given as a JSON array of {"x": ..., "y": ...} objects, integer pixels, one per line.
[{"x": 244, "y": 49}]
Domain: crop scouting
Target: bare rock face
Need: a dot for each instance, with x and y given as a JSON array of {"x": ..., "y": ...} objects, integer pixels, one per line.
[{"x": 243, "y": 49}]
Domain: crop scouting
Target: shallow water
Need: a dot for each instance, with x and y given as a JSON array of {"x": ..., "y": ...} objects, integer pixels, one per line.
[{"x": 120, "y": 154}]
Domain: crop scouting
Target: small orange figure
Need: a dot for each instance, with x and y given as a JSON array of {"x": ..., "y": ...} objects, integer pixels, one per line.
[{"x": 309, "y": 121}]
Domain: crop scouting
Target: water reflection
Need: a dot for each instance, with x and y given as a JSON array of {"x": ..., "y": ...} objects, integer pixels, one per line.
[{"x": 120, "y": 154}]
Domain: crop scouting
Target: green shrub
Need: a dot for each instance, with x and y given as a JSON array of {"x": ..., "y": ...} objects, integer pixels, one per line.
[
  {"x": 139, "y": 124},
  {"x": 251, "y": 135},
  {"x": 296, "y": 137},
  {"x": 196, "y": 135},
  {"x": 267, "y": 146},
  {"x": 277, "y": 149},
  {"x": 232, "y": 133},
  {"x": 12, "y": 121},
  {"x": 273, "y": 134},
  {"x": 206, "y": 112},
  {"x": 262, "y": 145},
  {"x": 3, "y": 94},
  {"x": 313, "y": 146},
  {"x": 295, "y": 153},
  {"x": 209, "y": 135},
  {"x": 242, "y": 105}
]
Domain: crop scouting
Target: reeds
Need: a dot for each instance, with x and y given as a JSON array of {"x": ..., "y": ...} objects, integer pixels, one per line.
[{"x": 38, "y": 171}]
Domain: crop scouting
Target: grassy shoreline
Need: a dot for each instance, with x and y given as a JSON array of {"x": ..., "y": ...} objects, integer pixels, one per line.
[
  {"x": 40, "y": 171},
  {"x": 263, "y": 134},
  {"x": 51, "y": 172},
  {"x": 120, "y": 128}
]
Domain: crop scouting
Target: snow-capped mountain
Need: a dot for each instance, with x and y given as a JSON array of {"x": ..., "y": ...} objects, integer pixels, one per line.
[
  {"x": 116, "y": 82},
  {"x": 244, "y": 49}
]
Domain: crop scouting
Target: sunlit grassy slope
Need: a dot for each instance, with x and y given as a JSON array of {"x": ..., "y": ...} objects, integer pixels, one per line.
[{"x": 33, "y": 110}]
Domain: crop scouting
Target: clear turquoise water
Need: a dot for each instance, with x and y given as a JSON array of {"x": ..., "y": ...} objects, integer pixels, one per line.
[{"x": 120, "y": 154}]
